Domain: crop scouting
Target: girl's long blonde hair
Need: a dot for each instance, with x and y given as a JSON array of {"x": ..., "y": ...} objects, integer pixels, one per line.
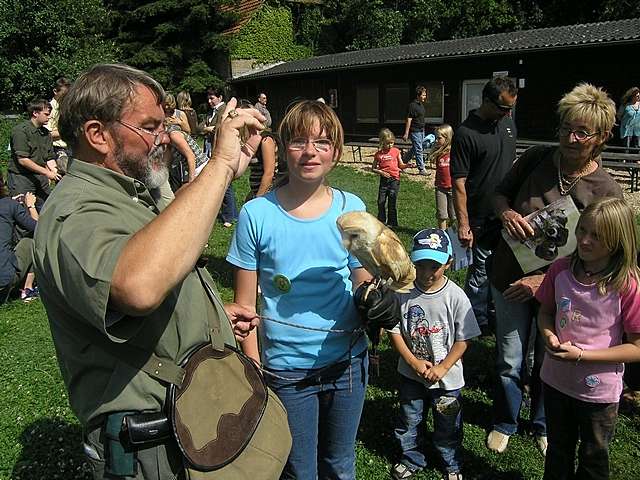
[
  {"x": 615, "y": 226},
  {"x": 385, "y": 136},
  {"x": 446, "y": 132}
]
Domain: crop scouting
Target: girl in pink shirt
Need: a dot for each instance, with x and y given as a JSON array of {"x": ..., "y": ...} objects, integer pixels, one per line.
[
  {"x": 587, "y": 303},
  {"x": 440, "y": 160},
  {"x": 387, "y": 162}
]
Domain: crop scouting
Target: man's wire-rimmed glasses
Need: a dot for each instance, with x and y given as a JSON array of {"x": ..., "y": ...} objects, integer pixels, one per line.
[{"x": 158, "y": 137}]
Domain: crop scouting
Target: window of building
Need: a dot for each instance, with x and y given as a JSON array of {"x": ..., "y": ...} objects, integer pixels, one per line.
[
  {"x": 367, "y": 108},
  {"x": 396, "y": 99}
]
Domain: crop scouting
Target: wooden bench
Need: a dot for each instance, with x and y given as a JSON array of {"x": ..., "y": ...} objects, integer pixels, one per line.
[
  {"x": 356, "y": 148},
  {"x": 372, "y": 142},
  {"x": 631, "y": 166}
]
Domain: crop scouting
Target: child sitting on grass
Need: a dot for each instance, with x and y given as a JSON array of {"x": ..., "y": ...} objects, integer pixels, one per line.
[
  {"x": 437, "y": 322},
  {"x": 387, "y": 162}
]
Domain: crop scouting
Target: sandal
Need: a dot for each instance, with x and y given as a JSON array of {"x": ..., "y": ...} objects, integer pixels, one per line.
[{"x": 402, "y": 472}]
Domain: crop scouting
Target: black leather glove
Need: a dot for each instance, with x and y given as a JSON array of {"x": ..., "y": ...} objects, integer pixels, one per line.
[{"x": 379, "y": 307}]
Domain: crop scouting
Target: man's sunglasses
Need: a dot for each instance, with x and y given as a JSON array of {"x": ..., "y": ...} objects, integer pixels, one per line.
[{"x": 503, "y": 108}]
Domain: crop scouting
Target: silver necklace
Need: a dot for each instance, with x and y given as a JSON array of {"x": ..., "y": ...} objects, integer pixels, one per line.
[{"x": 570, "y": 183}]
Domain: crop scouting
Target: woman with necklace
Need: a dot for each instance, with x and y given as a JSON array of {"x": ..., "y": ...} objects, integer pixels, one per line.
[{"x": 539, "y": 177}]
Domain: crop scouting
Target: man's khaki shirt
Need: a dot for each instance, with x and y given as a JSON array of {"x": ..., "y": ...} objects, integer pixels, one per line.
[
  {"x": 29, "y": 141},
  {"x": 81, "y": 233}
]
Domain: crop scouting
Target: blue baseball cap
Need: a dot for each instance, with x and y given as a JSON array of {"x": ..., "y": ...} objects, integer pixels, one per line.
[{"x": 431, "y": 244}]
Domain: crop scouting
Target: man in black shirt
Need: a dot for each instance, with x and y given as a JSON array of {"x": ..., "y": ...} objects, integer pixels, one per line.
[
  {"x": 482, "y": 152},
  {"x": 414, "y": 127}
]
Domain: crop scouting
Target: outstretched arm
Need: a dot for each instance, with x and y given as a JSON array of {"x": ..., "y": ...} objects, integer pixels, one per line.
[{"x": 160, "y": 255}]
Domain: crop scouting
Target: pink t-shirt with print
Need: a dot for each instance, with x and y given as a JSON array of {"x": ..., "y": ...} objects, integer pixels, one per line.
[{"x": 590, "y": 321}]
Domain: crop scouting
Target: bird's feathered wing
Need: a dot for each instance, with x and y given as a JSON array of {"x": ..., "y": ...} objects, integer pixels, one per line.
[{"x": 393, "y": 261}]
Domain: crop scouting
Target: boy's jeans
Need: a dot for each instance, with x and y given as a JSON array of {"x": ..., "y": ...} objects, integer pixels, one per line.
[{"x": 447, "y": 424}]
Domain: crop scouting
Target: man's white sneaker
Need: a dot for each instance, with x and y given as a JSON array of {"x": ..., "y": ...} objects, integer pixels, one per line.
[{"x": 497, "y": 442}]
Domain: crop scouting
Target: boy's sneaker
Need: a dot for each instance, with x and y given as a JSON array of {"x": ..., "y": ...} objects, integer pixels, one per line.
[
  {"x": 541, "y": 442},
  {"x": 452, "y": 476},
  {"x": 400, "y": 471},
  {"x": 28, "y": 294},
  {"x": 497, "y": 442}
]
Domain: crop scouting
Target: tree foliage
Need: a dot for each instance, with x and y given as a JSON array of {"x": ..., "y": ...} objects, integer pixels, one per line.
[
  {"x": 179, "y": 42},
  {"x": 339, "y": 25},
  {"x": 41, "y": 41},
  {"x": 268, "y": 37}
]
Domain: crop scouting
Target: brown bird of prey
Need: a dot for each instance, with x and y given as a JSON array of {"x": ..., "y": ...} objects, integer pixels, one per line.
[{"x": 378, "y": 249}]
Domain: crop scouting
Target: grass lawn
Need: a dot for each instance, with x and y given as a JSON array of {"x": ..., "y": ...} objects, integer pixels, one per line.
[{"x": 40, "y": 437}]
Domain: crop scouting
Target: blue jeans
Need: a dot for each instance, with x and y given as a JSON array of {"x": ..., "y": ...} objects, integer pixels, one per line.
[
  {"x": 447, "y": 424},
  {"x": 228, "y": 210},
  {"x": 476, "y": 285},
  {"x": 324, "y": 414},
  {"x": 571, "y": 419},
  {"x": 515, "y": 330},
  {"x": 387, "y": 197},
  {"x": 417, "y": 147}
]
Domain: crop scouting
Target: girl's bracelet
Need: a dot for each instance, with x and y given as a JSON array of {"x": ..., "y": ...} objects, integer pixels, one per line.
[{"x": 580, "y": 356}]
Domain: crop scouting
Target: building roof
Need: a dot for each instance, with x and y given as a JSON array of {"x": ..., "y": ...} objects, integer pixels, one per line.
[
  {"x": 245, "y": 10},
  {"x": 619, "y": 31}
]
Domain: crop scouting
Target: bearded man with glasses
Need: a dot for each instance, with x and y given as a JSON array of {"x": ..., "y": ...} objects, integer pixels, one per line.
[{"x": 116, "y": 265}]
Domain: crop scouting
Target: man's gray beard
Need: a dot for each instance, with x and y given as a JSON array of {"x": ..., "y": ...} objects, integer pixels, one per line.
[
  {"x": 144, "y": 171},
  {"x": 154, "y": 177}
]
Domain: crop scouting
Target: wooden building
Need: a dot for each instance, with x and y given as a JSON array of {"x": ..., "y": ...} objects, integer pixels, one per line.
[{"x": 371, "y": 89}]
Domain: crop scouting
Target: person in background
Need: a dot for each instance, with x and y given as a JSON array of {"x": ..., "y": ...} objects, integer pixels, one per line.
[
  {"x": 318, "y": 369},
  {"x": 440, "y": 159},
  {"x": 16, "y": 262},
  {"x": 183, "y": 103},
  {"x": 215, "y": 99},
  {"x": 629, "y": 116},
  {"x": 265, "y": 167},
  {"x": 178, "y": 117},
  {"x": 187, "y": 156},
  {"x": 588, "y": 302},
  {"x": 482, "y": 152},
  {"x": 387, "y": 162},
  {"x": 433, "y": 334},
  {"x": 414, "y": 128},
  {"x": 59, "y": 146},
  {"x": 33, "y": 162},
  {"x": 261, "y": 106}
]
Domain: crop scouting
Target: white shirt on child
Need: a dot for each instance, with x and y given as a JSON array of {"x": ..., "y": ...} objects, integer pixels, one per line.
[{"x": 431, "y": 323}]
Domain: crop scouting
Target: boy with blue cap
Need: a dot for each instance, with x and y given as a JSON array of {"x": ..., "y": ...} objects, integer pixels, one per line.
[{"x": 437, "y": 322}]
